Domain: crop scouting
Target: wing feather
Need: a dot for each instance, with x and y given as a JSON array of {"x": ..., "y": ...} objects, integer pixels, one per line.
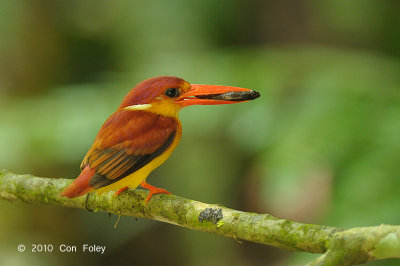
[{"x": 128, "y": 141}]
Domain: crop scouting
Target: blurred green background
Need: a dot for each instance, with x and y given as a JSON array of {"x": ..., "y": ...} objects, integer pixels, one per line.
[{"x": 321, "y": 145}]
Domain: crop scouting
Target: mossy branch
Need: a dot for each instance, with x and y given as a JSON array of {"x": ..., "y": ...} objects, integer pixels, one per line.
[{"x": 339, "y": 246}]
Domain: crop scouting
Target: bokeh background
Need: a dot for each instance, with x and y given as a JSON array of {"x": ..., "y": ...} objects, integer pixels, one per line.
[{"x": 320, "y": 146}]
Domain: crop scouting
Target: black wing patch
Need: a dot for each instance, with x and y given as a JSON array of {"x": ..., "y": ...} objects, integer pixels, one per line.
[{"x": 120, "y": 165}]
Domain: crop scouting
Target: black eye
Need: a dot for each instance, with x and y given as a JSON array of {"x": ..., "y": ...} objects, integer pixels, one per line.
[{"x": 172, "y": 92}]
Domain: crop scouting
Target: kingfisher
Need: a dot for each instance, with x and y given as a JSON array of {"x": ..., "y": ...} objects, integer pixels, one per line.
[{"x": 142, "y": 133}]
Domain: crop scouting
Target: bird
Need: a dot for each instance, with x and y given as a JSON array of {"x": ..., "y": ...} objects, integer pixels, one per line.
[{"x": 142, "y": 133}]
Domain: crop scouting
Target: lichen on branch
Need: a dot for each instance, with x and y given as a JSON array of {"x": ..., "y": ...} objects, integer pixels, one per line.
[{"x": 339, "y": 246}]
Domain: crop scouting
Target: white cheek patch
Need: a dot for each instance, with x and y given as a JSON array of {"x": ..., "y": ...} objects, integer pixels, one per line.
[{"x": 138, "y": 107}]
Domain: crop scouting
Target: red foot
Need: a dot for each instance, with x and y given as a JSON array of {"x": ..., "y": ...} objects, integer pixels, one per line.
[
  {"x": 153, "y": 190},
  {"x": 119, "y": 191}
]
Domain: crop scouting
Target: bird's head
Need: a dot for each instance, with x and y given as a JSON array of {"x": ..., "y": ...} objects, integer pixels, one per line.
[{"x": 167, "y": 95}]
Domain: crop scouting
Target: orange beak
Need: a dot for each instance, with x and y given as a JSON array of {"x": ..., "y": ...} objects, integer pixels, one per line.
[{"x": 214, "y": 94}]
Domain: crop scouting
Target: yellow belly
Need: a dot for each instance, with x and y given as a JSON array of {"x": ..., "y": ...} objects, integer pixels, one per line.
[{"x": 133, "y": 180}]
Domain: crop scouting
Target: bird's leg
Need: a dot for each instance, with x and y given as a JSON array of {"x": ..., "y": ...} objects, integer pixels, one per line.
[
  {"x": 119, "y": 191},
  {"x": 153, "y": 190}
]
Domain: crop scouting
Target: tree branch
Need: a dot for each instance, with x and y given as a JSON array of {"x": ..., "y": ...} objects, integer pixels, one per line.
[{"x": 340, "y": 246}]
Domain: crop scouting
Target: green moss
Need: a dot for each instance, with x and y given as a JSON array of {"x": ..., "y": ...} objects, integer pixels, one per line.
[
  {"x": 345, "y": 246},
  {"x": 387, "y": 247},
  {"x": 220, "y": 223},
  {"x": 235, "y": 216}
]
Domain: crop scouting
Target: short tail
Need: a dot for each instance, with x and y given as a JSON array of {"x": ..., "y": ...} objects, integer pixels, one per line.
[{"x": 81, "y": 185}]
